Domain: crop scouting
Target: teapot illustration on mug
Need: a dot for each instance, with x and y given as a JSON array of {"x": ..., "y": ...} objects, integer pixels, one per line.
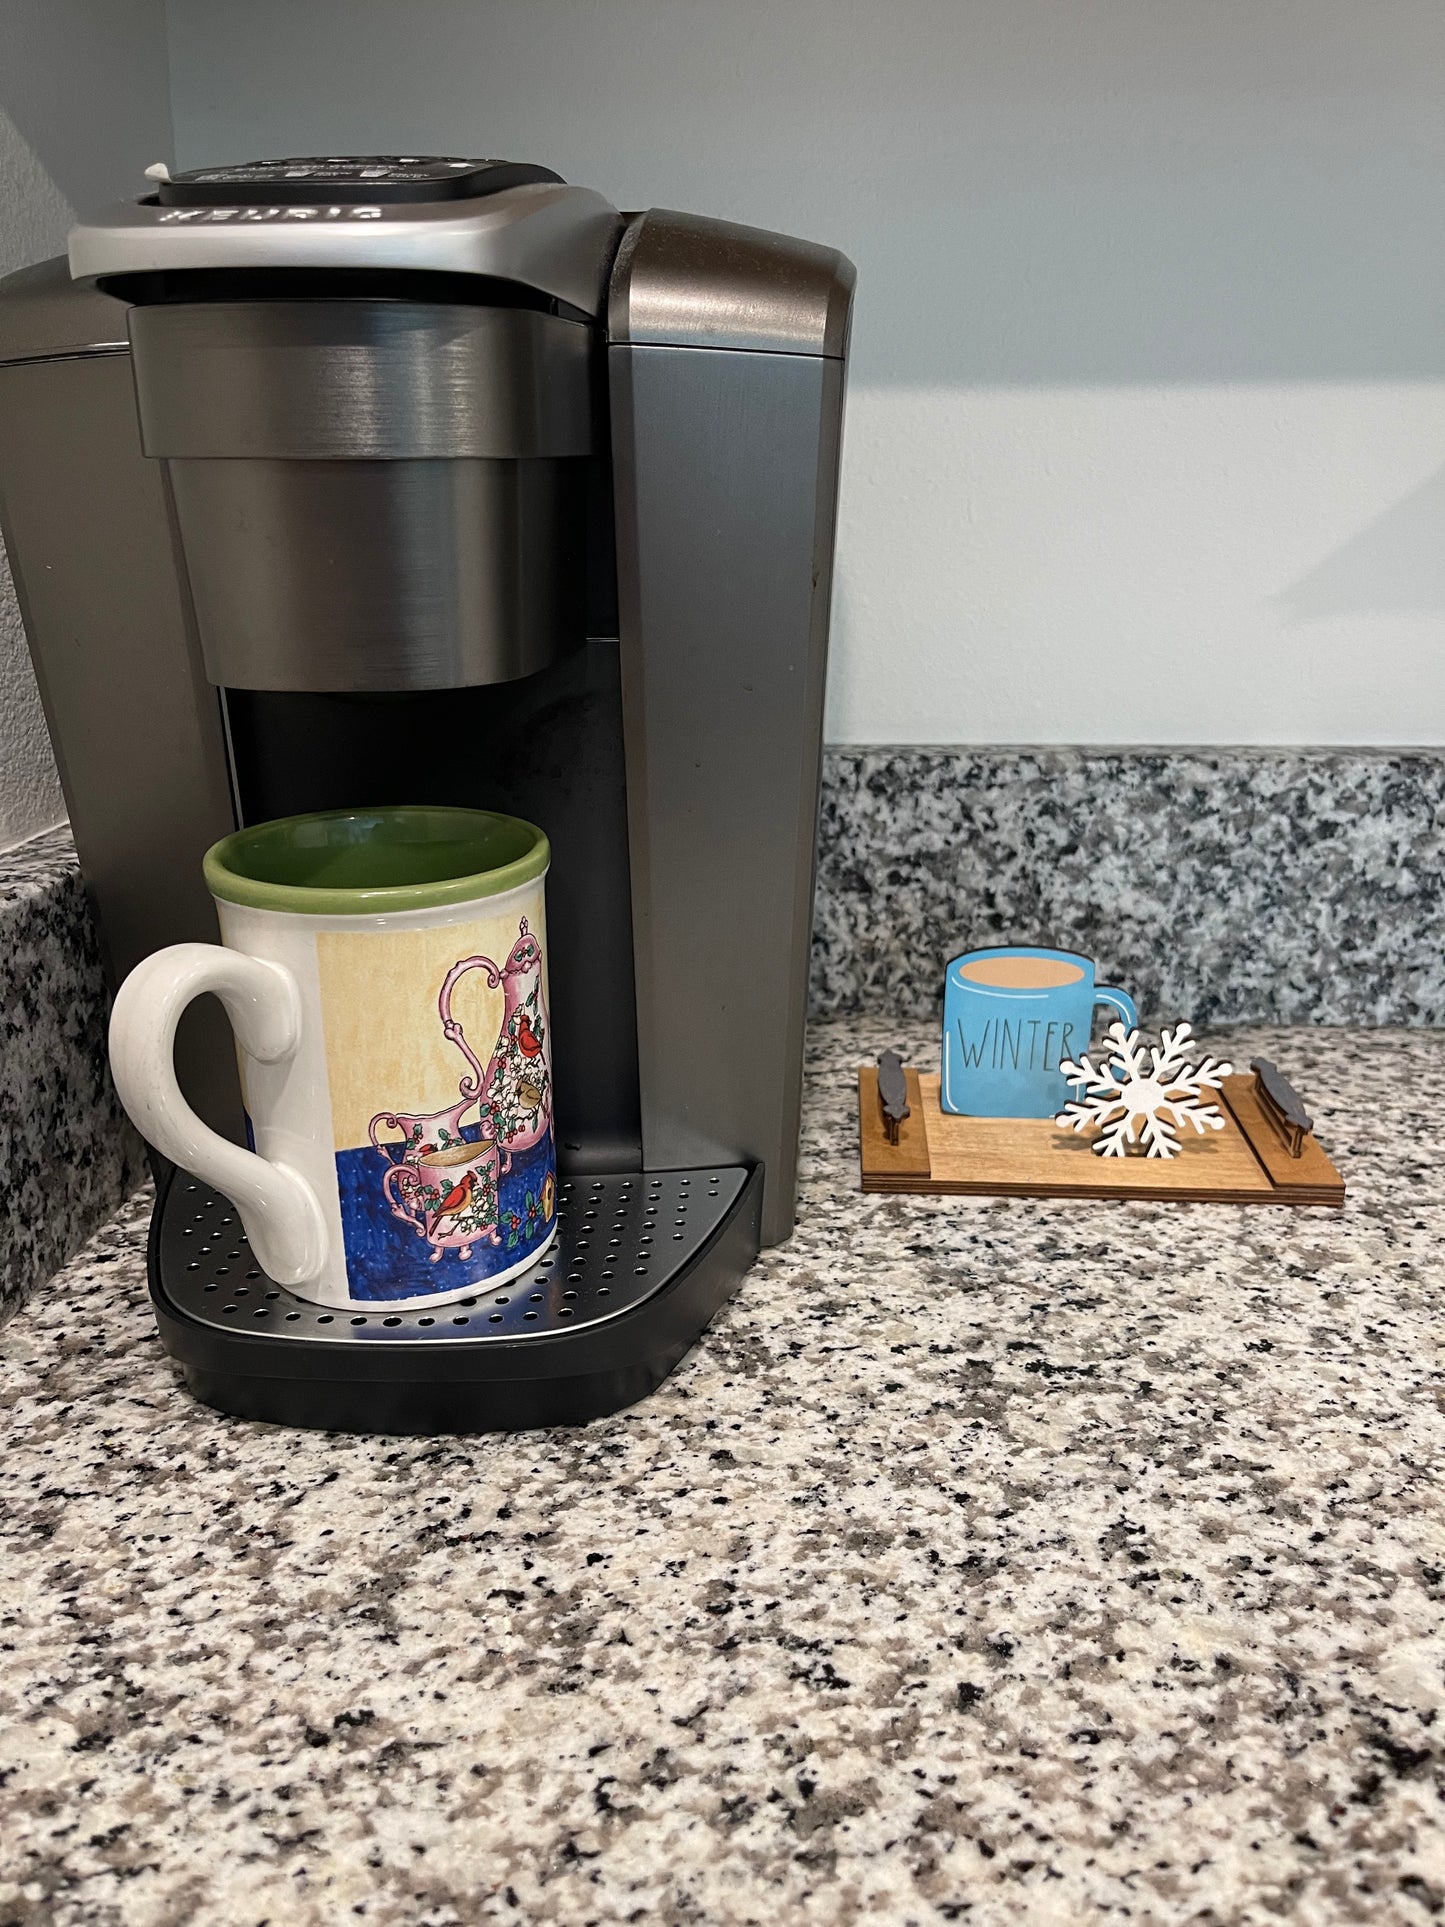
[{"x": 443, "y": 1177}]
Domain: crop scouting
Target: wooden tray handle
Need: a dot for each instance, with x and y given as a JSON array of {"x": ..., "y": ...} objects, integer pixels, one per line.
[
  {"x": 1281, "y": 1105},
  {"x": 892, "y": 1093}
]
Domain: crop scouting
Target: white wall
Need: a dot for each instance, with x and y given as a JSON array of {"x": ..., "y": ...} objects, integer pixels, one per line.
[
  {"x": 1147, "y": 429},
  {"x": 84, "y": 108}
]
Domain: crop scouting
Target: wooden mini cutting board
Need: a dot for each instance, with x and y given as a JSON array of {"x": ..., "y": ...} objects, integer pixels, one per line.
[{"x": 1029, "y": 1157}]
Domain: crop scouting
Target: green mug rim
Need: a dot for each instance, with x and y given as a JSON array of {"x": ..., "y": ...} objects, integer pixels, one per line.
[{"x": 523, "y": 849}]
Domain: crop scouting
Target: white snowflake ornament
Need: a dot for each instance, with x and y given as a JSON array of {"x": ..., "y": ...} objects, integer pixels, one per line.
[{"x": 1143, "y": 1094}]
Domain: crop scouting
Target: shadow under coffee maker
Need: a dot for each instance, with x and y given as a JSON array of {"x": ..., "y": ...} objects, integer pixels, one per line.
[{"x": 359, "y": 482}]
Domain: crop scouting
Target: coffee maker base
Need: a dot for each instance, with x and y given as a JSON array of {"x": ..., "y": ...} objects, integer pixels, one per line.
[{"x": 641, "y": 1264}]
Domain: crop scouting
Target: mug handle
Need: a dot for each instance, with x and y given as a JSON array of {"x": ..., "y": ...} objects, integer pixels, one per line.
[
  {"x": 1119, "y": 1000},
  {"x": 280, "y": 1211}
]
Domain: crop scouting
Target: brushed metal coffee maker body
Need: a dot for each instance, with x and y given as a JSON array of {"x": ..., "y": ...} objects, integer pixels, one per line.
[{"x": 360, "y": 482}]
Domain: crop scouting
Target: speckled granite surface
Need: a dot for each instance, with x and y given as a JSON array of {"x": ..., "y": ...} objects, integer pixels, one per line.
[
  {"x": 989, "y": 1561},
  {"x": 1274, "y": 886},
  {"x": 67, "y": 1153}
]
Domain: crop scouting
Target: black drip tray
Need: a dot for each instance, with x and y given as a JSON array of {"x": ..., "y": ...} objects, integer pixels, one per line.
[
  {"x": 619, "y": 1239},
  {"x": 639, "y": 1266}
]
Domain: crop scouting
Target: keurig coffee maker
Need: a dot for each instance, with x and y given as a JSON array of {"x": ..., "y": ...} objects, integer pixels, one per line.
[{"x": 349, "y": 482}]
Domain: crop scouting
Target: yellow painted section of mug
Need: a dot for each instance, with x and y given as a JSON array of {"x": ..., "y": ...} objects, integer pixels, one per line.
[{"x": 385, "y": 1050}]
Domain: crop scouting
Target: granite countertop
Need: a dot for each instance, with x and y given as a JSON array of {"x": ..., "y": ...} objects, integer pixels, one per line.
[{"x": 989, "y": 1561}]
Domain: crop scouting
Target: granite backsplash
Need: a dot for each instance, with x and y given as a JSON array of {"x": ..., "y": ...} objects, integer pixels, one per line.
[{"x": 1228, "y": 886}]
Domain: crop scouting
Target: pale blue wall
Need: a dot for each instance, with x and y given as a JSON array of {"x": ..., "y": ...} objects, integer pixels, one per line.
[{"x": 1147, "y": 429}]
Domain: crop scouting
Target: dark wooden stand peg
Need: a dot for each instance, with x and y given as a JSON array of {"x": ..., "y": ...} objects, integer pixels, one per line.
[{"x": 892, "y": 1094}]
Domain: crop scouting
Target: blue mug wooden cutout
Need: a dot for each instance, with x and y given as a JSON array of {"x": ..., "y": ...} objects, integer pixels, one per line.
[{"x": 1011, "y": 1016}]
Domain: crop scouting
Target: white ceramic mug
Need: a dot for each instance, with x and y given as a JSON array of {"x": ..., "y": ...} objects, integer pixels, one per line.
[{"x": 385, "y": 974}]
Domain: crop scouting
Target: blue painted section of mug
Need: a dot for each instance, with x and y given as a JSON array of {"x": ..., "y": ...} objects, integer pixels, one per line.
[
  {"x": 512, "y": 1213},
  {"x": 1011, "y": 1016}
]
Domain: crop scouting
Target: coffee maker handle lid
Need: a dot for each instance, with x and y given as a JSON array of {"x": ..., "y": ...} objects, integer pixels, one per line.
[{"x": 280, "y": 1211}]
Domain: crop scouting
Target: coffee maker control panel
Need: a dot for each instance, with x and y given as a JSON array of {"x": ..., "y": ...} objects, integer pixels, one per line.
[
  {"x": 346, "y": 180},
  {"x": 506, "y": 220}
]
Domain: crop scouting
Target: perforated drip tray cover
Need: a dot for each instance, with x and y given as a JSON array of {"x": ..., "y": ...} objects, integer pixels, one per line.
[{"x": 619, "y": 1241}]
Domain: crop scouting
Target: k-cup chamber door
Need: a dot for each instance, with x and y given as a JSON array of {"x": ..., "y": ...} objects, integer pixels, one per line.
[{"x": 373, "y": 494}]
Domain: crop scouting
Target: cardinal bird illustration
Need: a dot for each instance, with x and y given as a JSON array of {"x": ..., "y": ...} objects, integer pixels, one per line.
[
  {"x": 528, "y": 1042},
  {"x": 454, "y": 1203}
]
